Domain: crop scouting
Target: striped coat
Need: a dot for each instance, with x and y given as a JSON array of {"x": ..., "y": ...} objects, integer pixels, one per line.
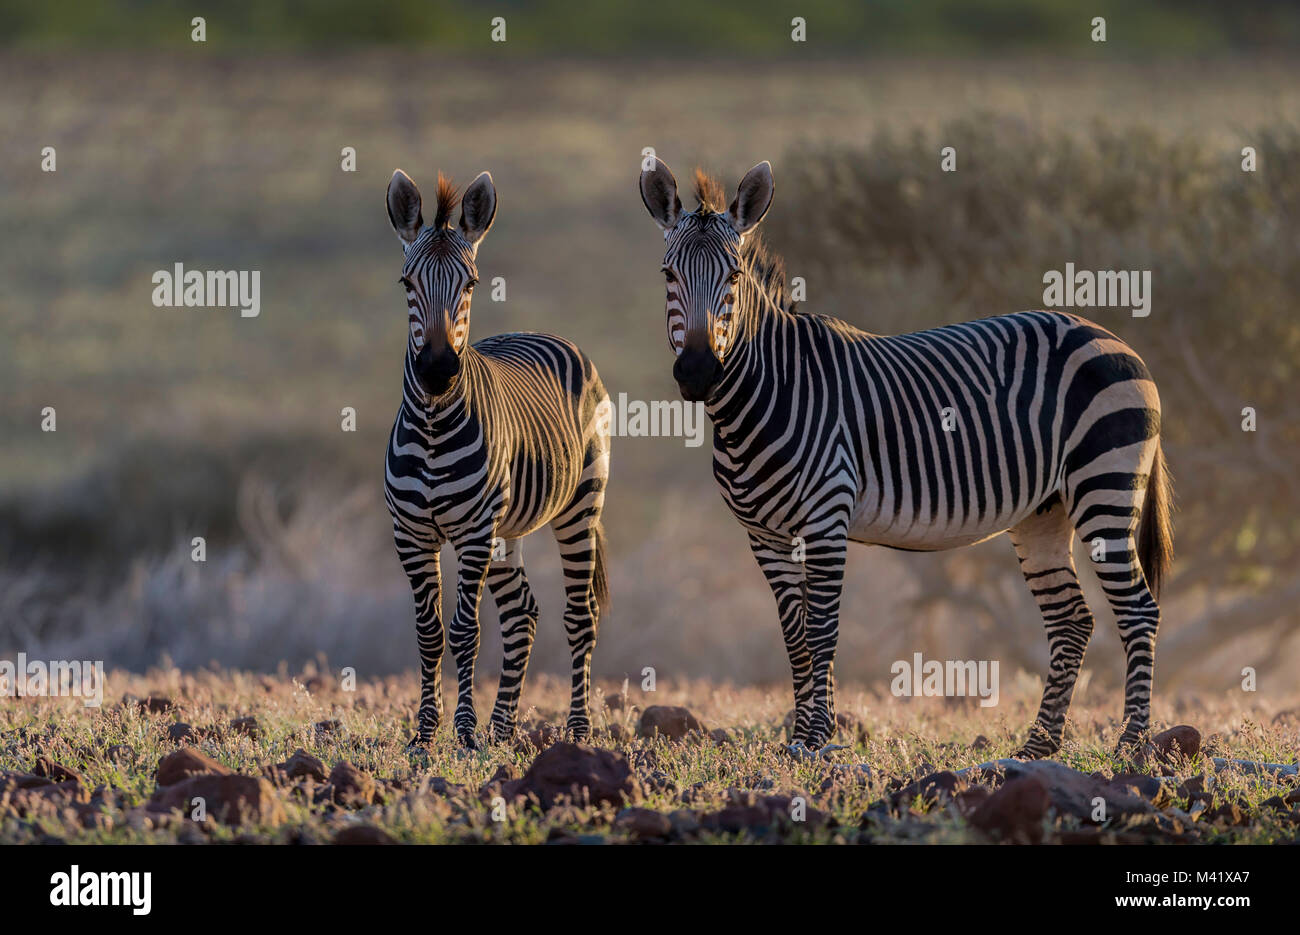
[
  {"x": 1039, "y": 424},
  {"x": 492, "y": 442}
]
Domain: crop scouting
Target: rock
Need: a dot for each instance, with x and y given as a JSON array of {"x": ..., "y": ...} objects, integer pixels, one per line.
[
  {"x": 50, "y": 799},
  {"x": 669, "y": 721},
  {"x": 440, "y": 785},
  {"x": 574, "y": 770},
  {"x": 302, "y": 765},
  {"x": 1151, "y": 788},
  {"x": 155, "y": 704},
  {"x": 181, "y": 732},
  {"x": 747, "y": 812},
  {"x": 1230, "y": 813},
  {"x": 616, "y": 701},
  {"x": 720, "y": 737},
  {"x": 362, "y": 834},
  {"x": 1071, "y": 792},
  {"x": 969, "y": 800},
  {"x": 228, "y": 798},
  {"x": 328, "y": 728},
  {"x": 980, "y": 743},
  {"x": 187, "y": 762},
  {"x": 247, "y": 726},
  {"x": 643, "y": 823},
  {"x": 684, "y": 822},
  {"x": 350, "y": 786},
  {"x": 47, "y": 768},
  {"x": 119, "y": 752},
  {"x": 1014, "y": 813},
  {"x": 1181, "y": 741},
  {"x": 934, "y": 789}
]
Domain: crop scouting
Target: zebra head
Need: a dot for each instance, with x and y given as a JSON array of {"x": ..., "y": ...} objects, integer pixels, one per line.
[
  {"x": 439, "y": 273},
  {"x": 703, "y": 267}
]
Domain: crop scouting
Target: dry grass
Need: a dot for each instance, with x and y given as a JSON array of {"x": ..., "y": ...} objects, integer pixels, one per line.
[{"x": 903, "y": 740}]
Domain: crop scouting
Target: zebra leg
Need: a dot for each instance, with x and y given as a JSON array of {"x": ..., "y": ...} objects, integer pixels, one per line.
[
  {"x": 1138, "y": 617},
  {"x": 824, "y": 568},
  {"x": 586, "y": 583},
  {"x": 1106, "y": 507},
  {"x": 1043, "y": 544},
  {"x": 785, "y": 576},
  {"x": 424, "y": 571},
  {"x": 518, "y": 611},
  {"x": 463, "y": 636},
  {"x": 580, "y": 546}
]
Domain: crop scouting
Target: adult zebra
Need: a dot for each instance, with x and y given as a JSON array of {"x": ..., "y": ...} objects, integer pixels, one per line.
[
  {"x": 1039, "y": 424},
  {"x": 491, "y": 442}
]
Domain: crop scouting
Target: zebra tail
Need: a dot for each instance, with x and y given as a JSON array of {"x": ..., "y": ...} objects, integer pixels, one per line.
[
  {"x": 1155, "y": 529},
  {"x": 600, "y": 579}
]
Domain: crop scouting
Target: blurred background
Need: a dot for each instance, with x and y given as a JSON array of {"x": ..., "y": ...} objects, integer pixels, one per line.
[{"x": 181, "y": 422}]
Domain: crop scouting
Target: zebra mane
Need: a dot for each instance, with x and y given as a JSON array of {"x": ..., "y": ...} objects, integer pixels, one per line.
[
  {"x": 767, "y": 268},
  {"x": 448, "y": 198},
  {"x": 709, "y": 193}
]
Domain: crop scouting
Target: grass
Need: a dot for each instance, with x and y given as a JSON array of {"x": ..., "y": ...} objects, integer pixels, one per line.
[{"x": 901, "y": 740}]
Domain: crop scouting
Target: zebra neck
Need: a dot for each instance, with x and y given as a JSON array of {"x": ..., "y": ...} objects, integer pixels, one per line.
[
  {"x": 747, "y": 371},
  {"x": 445, "y": 413}
]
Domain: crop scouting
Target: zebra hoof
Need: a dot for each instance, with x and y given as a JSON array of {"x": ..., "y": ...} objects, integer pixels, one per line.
[
  {"x": 801, "y": 751},
  {"x": 468, "y": 740},
  {"x": 415, "y": 743}
]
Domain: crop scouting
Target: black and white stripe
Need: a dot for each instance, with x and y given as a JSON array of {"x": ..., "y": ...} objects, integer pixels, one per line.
[
  {"x": 1039, "y": 424},
  {"x": 492, "y": 441}
]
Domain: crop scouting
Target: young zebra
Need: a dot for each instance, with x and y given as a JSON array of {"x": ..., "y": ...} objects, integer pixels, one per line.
[
  {"x": 1039, "y": 424},
  {"x": 492, "y": 441}
]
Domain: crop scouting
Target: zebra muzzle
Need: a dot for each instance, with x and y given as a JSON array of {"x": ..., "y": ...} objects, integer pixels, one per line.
[
  {"x": 436, "y": 370},
  {"x": 697, "y": 372}
]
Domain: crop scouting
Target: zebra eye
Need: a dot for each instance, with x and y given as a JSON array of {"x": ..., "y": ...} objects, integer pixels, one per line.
[
  {"x": 734, "y": 277},
  {"x": 668, "y": 276}
]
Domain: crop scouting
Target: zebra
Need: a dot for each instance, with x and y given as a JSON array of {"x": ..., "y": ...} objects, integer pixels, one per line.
[
  {"x": 1039, "y": 424},
  {"x": 491, "y": 442}
]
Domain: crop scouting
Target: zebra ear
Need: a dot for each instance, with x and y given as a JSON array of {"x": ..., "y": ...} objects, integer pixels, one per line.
[
  {"x": 659, "y": 192},
  {"x": 404, "y": 207},
  {"x": 478, "y": 207},
  {"x": 753, "y": 198}
]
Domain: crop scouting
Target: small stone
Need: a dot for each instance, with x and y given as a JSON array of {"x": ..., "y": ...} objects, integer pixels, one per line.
[
  {"x": 302, "y": 765},
  {"x": 576, "y": 771},
  {"x": 669, "y": 721},
  {"x": 1183, "y": 740},
  {"x": 643, "y": 823},
  {"x": 1015, "y": 812},
  {"x": 155, "y": 704},
  {"x": 181, "y": 732},
  {"x": 247, "y": 726},
  {"x": 351, "y": 786},
  {"x": 187, "y": 762},
  {"x": 362, "y": 835},
  {"x": 54, "y": 772}
]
